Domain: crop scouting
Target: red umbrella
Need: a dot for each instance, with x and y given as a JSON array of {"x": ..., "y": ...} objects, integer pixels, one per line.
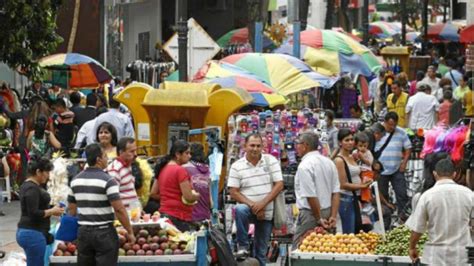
[
  {"x": 467, "y": 34},
  {"x": 444, "y": 32}
]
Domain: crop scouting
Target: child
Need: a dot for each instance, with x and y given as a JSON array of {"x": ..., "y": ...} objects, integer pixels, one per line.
[{"x": 366, "y": 159}]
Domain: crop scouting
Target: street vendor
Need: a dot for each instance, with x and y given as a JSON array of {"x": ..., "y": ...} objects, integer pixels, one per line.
[
  {"x": 444, "y": 211},
  {"x": 172, "y": 187}
]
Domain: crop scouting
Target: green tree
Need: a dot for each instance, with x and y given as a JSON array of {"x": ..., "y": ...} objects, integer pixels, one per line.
[{"x": 28, "y": 33}]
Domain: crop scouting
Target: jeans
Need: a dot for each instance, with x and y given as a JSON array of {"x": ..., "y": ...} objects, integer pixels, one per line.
[
  {"x": 399, "y": 185},
  {"x": 263, "y": 230},
  {"x": 97, "y": 245},
  {"x": 347, "y": 213},
  {"x": 34, "y": 244}
]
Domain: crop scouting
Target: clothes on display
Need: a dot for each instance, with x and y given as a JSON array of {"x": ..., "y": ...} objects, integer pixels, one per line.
[
  {"x": 236, "y": 49},
  {"x": 150, "y": 72}
]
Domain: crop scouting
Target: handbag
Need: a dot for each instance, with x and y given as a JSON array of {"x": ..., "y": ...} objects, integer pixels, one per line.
[
  {"x": 279, "y": 206},
  {"x": 67, "y": 230},
  {"x": 359, "y": 226}
]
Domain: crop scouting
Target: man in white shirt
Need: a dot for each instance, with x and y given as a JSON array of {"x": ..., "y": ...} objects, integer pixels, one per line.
[
  {"x": 254, "y": 182},
  {"x": 433, "y": 81},
  {"x": 374, "y": 91},
  {"x": 445, "y": 212},
  {"x": 316, "y": 188},
  {"x": 422, "y": 109},
  {"x": 120, "y": 121}
]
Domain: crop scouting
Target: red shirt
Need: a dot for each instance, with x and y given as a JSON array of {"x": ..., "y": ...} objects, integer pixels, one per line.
[{"x": 170, "y": 193}]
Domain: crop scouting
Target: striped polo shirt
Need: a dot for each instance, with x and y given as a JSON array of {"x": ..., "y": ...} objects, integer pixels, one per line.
[
  {"x": 255, "y": 182},
  {"x": 123, "y": 175},
  {"x": 93, "y": 190},
  {"x": 392, "y": 155}
]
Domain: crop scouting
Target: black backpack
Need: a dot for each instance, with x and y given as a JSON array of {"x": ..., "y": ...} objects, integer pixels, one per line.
[{"x": 224, "y": 252}]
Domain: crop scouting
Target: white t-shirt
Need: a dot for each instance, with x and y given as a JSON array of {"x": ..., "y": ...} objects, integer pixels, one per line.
[
  {"x": 435, "y": 89},
  {"x": 422, "y": 108},
  {"x": 316, "y": 177}
]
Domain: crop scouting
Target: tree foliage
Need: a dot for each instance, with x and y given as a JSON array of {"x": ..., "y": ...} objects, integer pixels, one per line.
[{"x": 28, "y": 32}]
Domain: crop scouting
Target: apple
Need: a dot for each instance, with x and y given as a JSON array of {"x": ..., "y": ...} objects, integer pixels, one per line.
[
  {"x": 141, "y": 241},
  {"x": 149, "y": 253},
  {"x": 163, "y": 239},
  {"x": 154, "y": 246},
  {"x": 141, "y": 252},
  {"x": 177, "y": 251},
  {"x": 143, "y": 233},
  {"x": 122, "y": 252},
  {"x": 168, "y": 252},
  {"x": 67, "y": 253},
  {"x": 71, "y": 248},
  {"x": 58, "y": 252},
  {"x": 146, "y": 246},
  {"x": 173, "y": 246},
  {"x": 156, "y": 239},
  {"x": 62, "y": 246},
  {"x": 162, "y": 232},
  {"x": 130, "y": 252},
  {"x": 158, "y": 252},
  {"x": 136, "y": 247},
  {"x": 127, "y": 246},
  {"x": 164, "y": 245}
]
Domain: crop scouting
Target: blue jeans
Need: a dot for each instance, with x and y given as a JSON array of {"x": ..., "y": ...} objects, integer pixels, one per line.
[
  {"x": 347, "y": 213},
  {"x": 263, "y": 230},
  {"x": 34, "y": 244},
  {"x": 399, "y": 185}
]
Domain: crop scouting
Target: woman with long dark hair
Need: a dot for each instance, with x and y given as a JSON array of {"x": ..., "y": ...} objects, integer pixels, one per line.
[
  {"x": 172, "y": 187},
  {"x": 33, "y": 228},
  {"x": 198, "y": 170},
  {"x": 343, "y": 161},
  {"x": 106, "y": 135}
]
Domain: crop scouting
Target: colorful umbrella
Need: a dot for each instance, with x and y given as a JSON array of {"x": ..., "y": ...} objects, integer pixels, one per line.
[
  {"x": 330, "y": 52},
  {"x": 382, "y": 29},
  {"x": 284, "y": 73},
  {"x": 467, "y": 34},
  {"x": 444, "y": 32},
  {"x": 241, "y": 36},
  {"x": 412, "y": 36},
  {"x": 79, "y": 70},
  {"x": 270, "y": 100},
  {"x": 246, "y": 83}
]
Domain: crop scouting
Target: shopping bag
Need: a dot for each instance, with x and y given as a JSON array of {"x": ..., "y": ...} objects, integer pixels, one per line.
[{"x": 67, "y": 230}]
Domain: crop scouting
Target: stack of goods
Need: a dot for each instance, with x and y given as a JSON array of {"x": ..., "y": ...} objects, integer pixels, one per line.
[
  {"x": 154, "y": 241},
  {"x": 470, "y": 57},
  {"x": 66, "y": 249},
  {"x": 397, "y": 242},
  {"x": 449, "y": 140},
  {"x": 371, "y": 240},
  {"x": 58, "y": 187},
  {"x": 318, "y": 241},
  {"x": 278, "y": 130}
]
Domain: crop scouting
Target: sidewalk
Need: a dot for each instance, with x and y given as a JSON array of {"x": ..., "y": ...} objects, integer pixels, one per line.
[{"x": 8, "y": 226}]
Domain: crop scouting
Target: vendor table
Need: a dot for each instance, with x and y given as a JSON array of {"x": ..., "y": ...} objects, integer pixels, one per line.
[
  {"x": 304, "y": 258},
  {"x": 199, "y": 257}
]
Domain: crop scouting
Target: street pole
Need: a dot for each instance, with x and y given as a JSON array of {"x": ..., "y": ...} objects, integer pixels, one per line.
[
  {"x": 183, "y": 40},
  {"x": 404, "y": 20},
  {"x": 296, "y": 29},
  {"x": 365, "y": 21},
  {"x": 425, "y": 26}
]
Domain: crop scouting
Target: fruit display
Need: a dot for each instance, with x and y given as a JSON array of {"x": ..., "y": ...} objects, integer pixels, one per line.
[
  {"x": 66, "y": 249},
  {"x": 397, "y": 242},
  {"x": 338, "y": 244},
  {"x": 370, "y": 239},
  {"x": 152, "y": 241}
]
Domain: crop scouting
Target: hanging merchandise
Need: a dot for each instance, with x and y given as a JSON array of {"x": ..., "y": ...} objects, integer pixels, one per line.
[
  {"x": 150, "y": 72},
  {"x": 238, "y": 48}
]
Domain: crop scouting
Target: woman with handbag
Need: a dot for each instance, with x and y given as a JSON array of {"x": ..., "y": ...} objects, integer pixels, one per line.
[
  {"x": 350, "y": 181},
  {"x": 34, "y": 225}
]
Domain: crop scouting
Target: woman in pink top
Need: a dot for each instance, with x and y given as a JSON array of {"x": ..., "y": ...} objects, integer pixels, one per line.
[{"x": 444, "y": 107}]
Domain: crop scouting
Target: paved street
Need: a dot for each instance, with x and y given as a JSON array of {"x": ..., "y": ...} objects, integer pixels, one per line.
[{"x": 8, "y": 225}]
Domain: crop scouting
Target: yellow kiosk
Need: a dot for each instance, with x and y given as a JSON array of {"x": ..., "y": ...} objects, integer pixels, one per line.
[{"x": 397, "y": 55}]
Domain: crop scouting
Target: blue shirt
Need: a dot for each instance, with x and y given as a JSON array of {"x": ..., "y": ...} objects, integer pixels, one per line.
[
  {"x": 456, "y": 75},
  {"x": 392, "y": 155}
]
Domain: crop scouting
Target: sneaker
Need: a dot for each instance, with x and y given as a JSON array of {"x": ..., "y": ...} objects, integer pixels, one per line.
[
  {"x": 2, "y": 213},
  {"x": 241, "y": 254}
]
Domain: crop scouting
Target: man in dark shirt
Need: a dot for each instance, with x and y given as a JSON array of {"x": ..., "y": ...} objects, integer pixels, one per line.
[
  {"x": 88, "y": 113},
  {"x": 64, "y": 123},
  {"x": 95, "y": 198}
]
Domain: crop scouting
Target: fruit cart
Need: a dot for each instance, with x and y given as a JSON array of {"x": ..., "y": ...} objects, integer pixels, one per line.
[
  {"x": 198, "y": 255},
  {"x": 305, "y": 258}
]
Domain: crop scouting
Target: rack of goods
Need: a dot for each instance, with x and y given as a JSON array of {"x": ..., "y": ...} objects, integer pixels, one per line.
[
  {"x": 319, "y": 248},
  {"x": 156, "y": 242}
]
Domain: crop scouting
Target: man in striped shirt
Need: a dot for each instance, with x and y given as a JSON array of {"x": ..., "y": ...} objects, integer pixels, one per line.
[
  {"x": 95, "y": 198},
  {"x": 121, "y": 170},
  {"x": 254, "y": 182}
]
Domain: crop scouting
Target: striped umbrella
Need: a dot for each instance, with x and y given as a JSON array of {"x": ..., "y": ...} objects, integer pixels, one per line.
[
  {"x": 444, "y": 32},
  {"x": 413, "y": 36},
  {"x": 270, "y": 100},
  {"x": 382, "y": 29},
  {"x": 77, "y": 70},
  {"x": 240, "y": 36},
  {"x": 246, "y": 83},
  {"x": 284, "y": 73},
  {"x": 332, "y": 53}
]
